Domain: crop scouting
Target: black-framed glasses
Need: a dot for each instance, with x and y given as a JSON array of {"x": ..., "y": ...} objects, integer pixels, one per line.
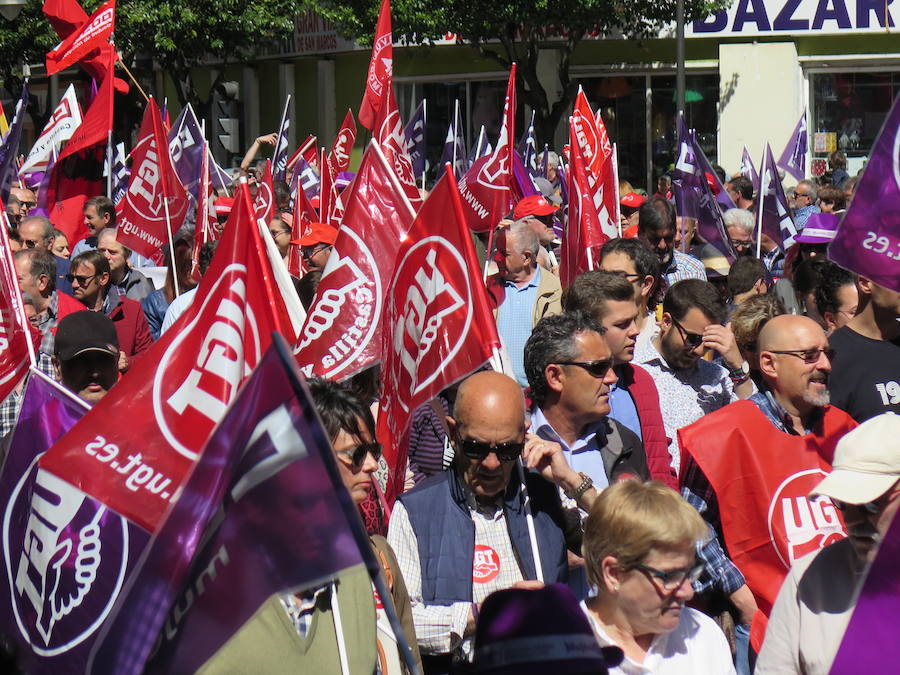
[
  {"x": 309, "y": 251},
  {"x": 277, "y": 234},
  {"x": 357, "y": 456},
  {"x": 30, "y": 243},
  {"x": 672, "y": 580},
  {"x": 597, "y": 368},
  {"x": 479, "y": 450},
  {"x": 692, "y": 340},
  {"x": 808, "y": 355},
  {"x": 735, "y": 243},
  {"x": 872, "y": 508},
  {"x": 82, "y": 279}
]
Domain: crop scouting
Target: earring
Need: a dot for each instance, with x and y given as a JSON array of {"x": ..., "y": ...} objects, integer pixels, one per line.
[{"x": 615, "y": 587}]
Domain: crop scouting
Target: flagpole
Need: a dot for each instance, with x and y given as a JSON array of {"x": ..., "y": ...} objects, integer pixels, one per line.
[
  {"x": 615, "y": 164},
  {"x": 529, "y": 520},
  {"x": 339, "y": 630},
  {"x": 16, "y": 295},
  {"x": 424, "y": 125},
  {"x": 109, "y": 164},
  {"x": 455, "y": 133},
  {"x": 168, "y": 215},
  {"x": 759, "y": 210},
  {"x": 487, "y": 259}
]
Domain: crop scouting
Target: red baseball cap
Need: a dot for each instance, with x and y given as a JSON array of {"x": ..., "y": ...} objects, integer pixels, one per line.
[
  {"x": 535, "y": 205},
  {"x": 316, "y": 233},
  {"x": 632, "y": 200}
]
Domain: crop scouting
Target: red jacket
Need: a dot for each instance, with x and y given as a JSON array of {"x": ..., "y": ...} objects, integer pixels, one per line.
[
  {"x": 128, "y": 318},
  {"x": 653, "y": 434}
]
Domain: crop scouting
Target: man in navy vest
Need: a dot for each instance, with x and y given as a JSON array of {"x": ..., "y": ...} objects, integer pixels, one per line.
[{"x": 463, "y": 533}]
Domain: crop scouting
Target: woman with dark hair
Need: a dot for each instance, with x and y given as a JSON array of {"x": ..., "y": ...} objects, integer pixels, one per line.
[{"x": 302, "y": 632}]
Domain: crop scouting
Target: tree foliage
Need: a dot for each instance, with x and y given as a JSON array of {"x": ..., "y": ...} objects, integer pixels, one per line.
[{"x": 516, "y": 30}]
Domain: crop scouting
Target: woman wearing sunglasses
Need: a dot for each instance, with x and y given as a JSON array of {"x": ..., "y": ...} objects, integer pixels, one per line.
[{"x": 639, "y": 549}]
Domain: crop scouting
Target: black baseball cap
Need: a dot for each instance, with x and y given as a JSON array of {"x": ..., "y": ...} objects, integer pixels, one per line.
[{"x": 85, "y": 331}]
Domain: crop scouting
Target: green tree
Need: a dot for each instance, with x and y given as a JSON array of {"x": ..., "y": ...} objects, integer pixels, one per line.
[{"x": 515, "y": 31}]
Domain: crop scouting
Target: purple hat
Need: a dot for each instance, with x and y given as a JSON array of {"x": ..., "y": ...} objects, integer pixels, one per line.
[
  {"x": 820, "y": 229},
  {"x": 543, "y": 631}
]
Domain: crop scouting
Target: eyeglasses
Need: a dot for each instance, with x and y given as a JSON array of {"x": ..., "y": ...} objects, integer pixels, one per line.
[
  {"x": 672, "y": 580},
  {"x": 625, "y": 275},
  {"x": 310, "y": 251},
  {"x": 808, "y": 355},
  {"x": 800, "y": 194},
  {"x": 275, "y": 234},
  {"x": 597, "y": 368},
  {"x": 80, "y": 278},
  {"x": 479, "y": 450},
  {"x": 872, "y": 508},
  {"x": 692, "y": 340},
  {"x": 357, "y": 456},
  {"x": 741, "y": 244},
  {"x": 31, "y": 243}
]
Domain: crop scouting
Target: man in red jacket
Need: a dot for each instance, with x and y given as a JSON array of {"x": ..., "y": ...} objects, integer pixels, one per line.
[
  {"x": 92, "y": 285},
  {"x": 634, "y": 401}
]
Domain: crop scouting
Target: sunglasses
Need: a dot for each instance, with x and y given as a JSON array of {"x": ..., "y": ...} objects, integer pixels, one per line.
[
  {"x": 80, "y": 278},
  {"x": 741, "y": 244},
  {"x": 597, "y": 368},
  {"x": 357, "y": 456},
  {"x": 809, "y": 356},
  {"x": 479, "y": 450},
  {"x": 672, "y": 579},
  {"x": 692, "y": 340},
  {"x": 307, "y": 252}
]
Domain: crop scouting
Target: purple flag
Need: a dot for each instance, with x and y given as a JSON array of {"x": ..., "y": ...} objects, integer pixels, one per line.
[
  {"x": 870, "y": 640},
  {"x": 528, "y": 148},
  {"x": 793, "y": 159},
  {"x": 523, "y": 177},
  {"x": 186, "y": 144},
  {"x": 706, "y": 168},
  {"x": 280, "y": 155},
  {"x": 748, "y": 171},
  {"x": 305, "y": 178},
  {"x": 121, "y": 174},
  {"x": 414, "y": 133},
  {"x": 41, "y": 207},
  {"x": 10, "y": 146},
  {"x": 66, "y": 556},
  {"x": 263, "y": 511},
  {"x": 868, "y": 238},
  {"x": 454, "y": 152},
  {"x": 773, "y": 214}
]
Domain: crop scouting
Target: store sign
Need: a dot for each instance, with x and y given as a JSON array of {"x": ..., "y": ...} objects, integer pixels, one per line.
[{"x": 746, "y": 18}]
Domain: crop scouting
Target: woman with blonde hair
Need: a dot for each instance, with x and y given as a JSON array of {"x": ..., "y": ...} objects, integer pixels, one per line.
[{"x": 640, "y": 552}]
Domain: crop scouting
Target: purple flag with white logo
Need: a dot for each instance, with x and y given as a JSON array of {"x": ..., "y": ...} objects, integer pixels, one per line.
[
  {"x": 186, "y": 145},
  {"x": 706, "y": 168},
  {"x": 773, "y": 216},
  {"x": 121, "y": 174},
  {"x": 455, "y": 147},
  {"x": 263, "y": 511},
  {"x": 748, "y": 171},
  {"x": 10, "y": 146},
  {"x": 870, "y": 640},
  {"x": 868, "y": 238},
  {"x": 414, "y": 133},
  {"x": 65, "y": 555},
  {"x": 793, "y": 159},
  {"x": 305, "y": 178},
  {"x": 528, "y": 148},
  {"x": 280, "y": 155}
]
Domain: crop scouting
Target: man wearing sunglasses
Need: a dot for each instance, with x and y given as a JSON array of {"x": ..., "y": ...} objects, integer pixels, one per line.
[
  {"x": 36, "y": 274},
  {"x": 802, "y": 199},
  {"x": 316, "y": 242},
  {"x": 820, "y": 593},
  {"x": 749, "y": 467},
  {"x": 463, "y": 533}
]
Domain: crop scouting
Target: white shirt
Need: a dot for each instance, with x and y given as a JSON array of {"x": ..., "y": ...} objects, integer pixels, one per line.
[
  {"x": 440, "y": 628},
  {"x": 177, "y": 308},
  {"x": 696, "y": 647}
]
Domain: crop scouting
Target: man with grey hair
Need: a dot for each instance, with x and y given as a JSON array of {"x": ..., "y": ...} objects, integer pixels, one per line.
[
  {"x": 521, "y": 292},
  {"x": 36, "y": 272},
  {"x": 37, "y": 232},
  {"x": 740, "y": 226},
  {"x": 802, "y": 200},
  {"x": 129, "y": 281}
]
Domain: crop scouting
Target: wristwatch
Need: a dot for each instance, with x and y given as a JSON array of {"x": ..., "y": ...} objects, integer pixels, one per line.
[
  {"x": 586, "y": 484},
  {"x": 739, "y": 375}
]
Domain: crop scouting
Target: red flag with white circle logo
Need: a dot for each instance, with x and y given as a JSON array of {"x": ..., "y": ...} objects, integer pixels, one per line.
[
  {"x": 339, "y": 157},
  {"x": 155, "y": 203},
  {"x": 134, "y": 448},
  {"x": 14, "y": 330},
  {"x": 342, "y": 333},
  {"x": 264, "y": 203},
  {"x": 379, "y": 77},
  {"x": 437, "y": 325}
]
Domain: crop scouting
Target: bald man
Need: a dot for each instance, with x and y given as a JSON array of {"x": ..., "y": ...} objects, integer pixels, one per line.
[
  {"x": 462, "y": 534},
  {"x": 749, "y": 467}
]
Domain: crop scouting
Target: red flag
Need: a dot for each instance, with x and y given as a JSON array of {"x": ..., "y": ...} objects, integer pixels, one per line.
[
  {"x": 206, "y": 224},
  {"x": 264, "y": 203},
  {"x": 342, "y": 333},
  {"x": 487, "y": 187},
  {"x": 380, "y": 75},
  {"x": 67, "y": 17},
  {"x": 173, "y": 398},
  {"x": 72, "y": 182},
  {"x": 304, "y": 213},
  {"x": 583, "y": 231},
  {"x": 307, "y": 151},
  {"x": 391, "y": 137},
  {"x": 14, "y": 328},
  {"x": 155, "y": 202},
  {"x": 599, "y": 163},
  {"x": 339, "y": 157},
  {"x": 98, "y": 120},
  {"x": 91, "y": 35},
  {"x": 437, "y": 326},
  {"x": 588, "y": 135}
]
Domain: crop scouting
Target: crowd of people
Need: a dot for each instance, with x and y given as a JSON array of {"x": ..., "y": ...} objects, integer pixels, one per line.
[{"x": 686, "y": 468}]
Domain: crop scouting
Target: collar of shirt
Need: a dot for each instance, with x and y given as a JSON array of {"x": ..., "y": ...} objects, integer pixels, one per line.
[
  {"x": 650, "y": 354},
  {"x": 533, "y": 283},
  {"x": 592, "y": 432},
  {"x": 113, "y": 298},
  {"x": 779, "y": 417},
  {"x": 491, "y": 510},
  {"x": 125, "y": 278}
]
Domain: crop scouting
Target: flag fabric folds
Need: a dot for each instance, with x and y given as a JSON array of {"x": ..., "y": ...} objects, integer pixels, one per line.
[
  {"x": 793, "y": 159},
  {"x": 868, "y": 238},
  {"x": 93, "y": 34},
  {"x": 379, "y": 78},
  {"x": 773, "y": 213},
  {"x": 280, "y": 154},
  {"x": 10, "y": 147},
  {"x": 182, "y": 385},
  {"x": 15, "y": 332},
  {"x": 62, "y": 124}
]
